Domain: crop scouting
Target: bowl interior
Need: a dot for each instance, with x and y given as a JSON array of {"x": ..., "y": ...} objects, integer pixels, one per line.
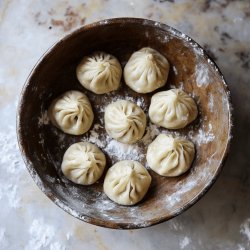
[{"x": 43, "y": 145}]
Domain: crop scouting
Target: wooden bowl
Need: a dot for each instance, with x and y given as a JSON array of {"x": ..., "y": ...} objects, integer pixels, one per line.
[{"x": 43, "y": 146}]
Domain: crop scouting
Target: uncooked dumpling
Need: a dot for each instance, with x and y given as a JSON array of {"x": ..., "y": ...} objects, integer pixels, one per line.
[
  {"x": 170, "y": 156},
  {"x": 83, "y": 163},
  {"x": 126, "y": 182},
  {"x": 72, "y": 113},
  {"x": 172, "y": 109},
  {"x": 99, "y": 72},
  {"x": 125, "y": 121},
  {"x": 146, "y": 70}
]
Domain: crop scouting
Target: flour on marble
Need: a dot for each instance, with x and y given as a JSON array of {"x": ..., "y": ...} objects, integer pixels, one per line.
[
  {"x": 185, "y": 242},
  {"x": 4, "y": 241},
  {"x": 69, "y": 235},
  {"x": 57, "y": 246},
  {"x": 175, "y": 225},
  {"x": 12, "y": 167},
  {"x": 2, "y": 235},
  {"x": 12, "y": 196},
  {"x": 10, "y": 155},
  {"x": 41, "y": 235},
  {"x": 240, "y": 247},
  {"x": 245, "y": 229}
]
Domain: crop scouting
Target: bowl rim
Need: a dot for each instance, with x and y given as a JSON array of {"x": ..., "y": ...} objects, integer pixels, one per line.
[{"x": 46, "y": 189}]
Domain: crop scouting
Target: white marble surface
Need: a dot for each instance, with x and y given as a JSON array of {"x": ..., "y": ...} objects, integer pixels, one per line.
[{"x": 29, "y": 220}]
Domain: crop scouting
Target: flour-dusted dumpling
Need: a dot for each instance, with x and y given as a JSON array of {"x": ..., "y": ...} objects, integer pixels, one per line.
[
  {"x": 172, "y": 109},
  {"x": 126, "y": 182},
  {"x": 170, "y": 156},
  {"x": 146, "y": 70},
  {"x": 125, "y": 121},
  {"x": 99, "y": 72},
  {"x": 72, "y": 113},
  {"x": 83, "y": 163}
]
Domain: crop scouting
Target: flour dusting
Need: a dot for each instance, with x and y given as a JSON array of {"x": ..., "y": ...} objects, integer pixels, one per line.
[
  {"x": 151, "y": 132},
  {"x": 124, "y": 151},
  {"x": 140, "y": 102},
  {"x": 43, "y": 119},
  {"x": 175, "y": 70},
  {"x": 203, "y": 136},
  {"x": 195, "y": 177},
  {"x": 10, "y": 157},
  {"x": 41, "y": 234},
  {"x": 57, "y": 246},
  {"x": 2, "y": 234},
  {"x": 69, "y": 235},
  {"x": 176, "y": 197},
  {"x": 245, "y": 228},
  {"x": 202, "y": 75},
  {"x": 240, "y": 247},
  {"x": 211, "y": 103},
  {"x": 12, "y": 196},
  {"x": 11, "y": 169},
  {"x": 175, "y": 225},
  {"x": 95, "y": 136},
  {"x": 113, "y": 148},
  {"x": 184, "y": 242}
]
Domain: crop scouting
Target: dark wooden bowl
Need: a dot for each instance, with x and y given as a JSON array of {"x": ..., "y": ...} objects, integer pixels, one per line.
[{"x": 43, "y": 146}]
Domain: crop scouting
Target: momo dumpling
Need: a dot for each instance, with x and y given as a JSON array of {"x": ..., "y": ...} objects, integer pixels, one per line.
[
  {"x": 83, "y": 163},
  {"x": 126, "y": 182},
  {"x": 125, "y": 121},
  {"x": 99, "y": 72},
  {"x": 72, "y": 113},
  {"x": 146, "y": 70},
  {"x": 169, "y": 156},
  {"x": 172, "y": 109}
]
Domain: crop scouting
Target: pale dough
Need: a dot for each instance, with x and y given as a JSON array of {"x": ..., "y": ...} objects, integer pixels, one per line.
[
  {"x": 83, "y": 163},
  {"x": 99, "y": 72},
  {"x": 72, "y": 113},
  {"x": 125, "y": 121},
  {"x": 126, "y": 182},
  {"x": 146, "y": 70},
  {"x": 169, "y": 156},
  {"x": 172, "y": 109}
]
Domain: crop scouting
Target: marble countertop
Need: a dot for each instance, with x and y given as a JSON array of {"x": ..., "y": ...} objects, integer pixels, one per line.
[{"x": 29, "y": 220}]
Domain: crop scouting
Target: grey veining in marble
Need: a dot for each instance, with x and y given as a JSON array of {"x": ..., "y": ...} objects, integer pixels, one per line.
[{"x": 29, "y": 220}]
